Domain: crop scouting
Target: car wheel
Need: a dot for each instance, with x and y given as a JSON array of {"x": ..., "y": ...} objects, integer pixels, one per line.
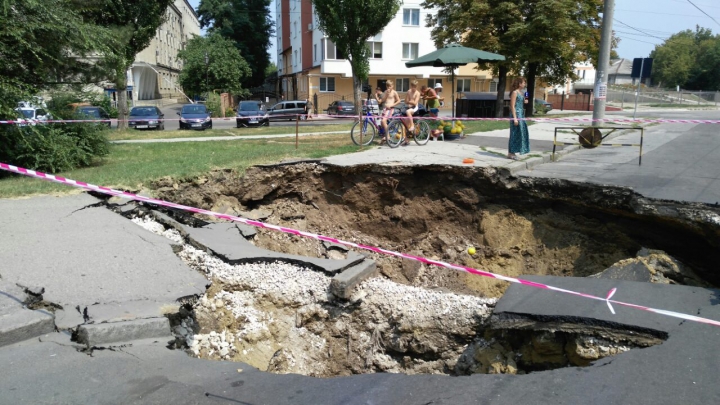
[{"x": 267, "y": 123}]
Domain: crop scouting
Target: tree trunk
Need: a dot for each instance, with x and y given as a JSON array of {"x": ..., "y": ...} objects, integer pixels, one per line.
[
  {"x": 357, "y": 89},
  {"x": 121, "y": 89},
  {"x": 502, "y": 79},
  {"x": 531, "y": 76}
]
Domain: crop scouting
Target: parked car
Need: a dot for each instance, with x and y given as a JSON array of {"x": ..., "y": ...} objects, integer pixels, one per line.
[
  {"x": 287, "y": 110},
  {"x": 146, "y": 118},
  {"x": 542, "y": 106},
  {"x": 94, "y": 113},
  {"x": 372, "y": 105},
  {"x": 251, "y": 113},
  {"x": 340, "y": 107},
  {"x": 32, "y": 116},
  {"x": 195, "y": 116}
]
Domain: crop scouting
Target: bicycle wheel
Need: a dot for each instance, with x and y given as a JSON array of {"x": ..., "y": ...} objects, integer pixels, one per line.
[
  {"x": 423, "y": 132},
  {"x": 363, "y": 131},
  {"x": 396, "y": 133}
]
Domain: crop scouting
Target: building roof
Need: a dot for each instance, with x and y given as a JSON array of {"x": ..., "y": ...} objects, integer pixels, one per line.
[{"x": 620, "y": 67}]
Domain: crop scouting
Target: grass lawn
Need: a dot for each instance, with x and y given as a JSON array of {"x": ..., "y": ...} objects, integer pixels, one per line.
[{"x": 133, "y": 166}]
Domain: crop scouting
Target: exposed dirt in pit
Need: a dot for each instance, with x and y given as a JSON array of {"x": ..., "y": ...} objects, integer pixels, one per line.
[{"x": 438, "y": 213}]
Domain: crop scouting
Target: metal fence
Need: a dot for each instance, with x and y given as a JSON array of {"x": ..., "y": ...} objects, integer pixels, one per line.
[{"x": 651, "y": 96}]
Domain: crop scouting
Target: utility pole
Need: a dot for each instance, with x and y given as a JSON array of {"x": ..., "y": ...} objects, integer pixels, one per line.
[
  {"x": 600, "y": 92},
  {"x": 207, "y": 64}
]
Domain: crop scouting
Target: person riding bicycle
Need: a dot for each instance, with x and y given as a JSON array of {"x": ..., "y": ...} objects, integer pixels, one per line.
[
  {"x": 412, "y": 101},
  {"x": 388, "y": 100}
]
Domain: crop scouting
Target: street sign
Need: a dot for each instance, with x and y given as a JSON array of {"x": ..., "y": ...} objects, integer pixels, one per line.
[{"x": 641, "y": 68}]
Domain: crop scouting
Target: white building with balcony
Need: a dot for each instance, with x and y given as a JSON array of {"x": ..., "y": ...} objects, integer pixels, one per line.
[{"x": 309, "y": 65}]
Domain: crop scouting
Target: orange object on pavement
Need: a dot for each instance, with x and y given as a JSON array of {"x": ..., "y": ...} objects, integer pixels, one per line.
[{"x": 468, "y": 160}]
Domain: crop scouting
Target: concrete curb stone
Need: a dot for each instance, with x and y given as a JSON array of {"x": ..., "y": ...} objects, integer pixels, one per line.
[{"x": 113, "y": 332}]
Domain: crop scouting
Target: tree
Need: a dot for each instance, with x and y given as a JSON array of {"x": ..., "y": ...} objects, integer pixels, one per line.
[
  {"x": 225, "y": 70},
  {"x": 41, "y": 41},
  {"x": 545, "y": 37},
  {"x": 134, "y": 24},
  {"x": 248, "y": 24},
  {"x": 349, "y": 23},
  {"x": 689, "y": 59}
]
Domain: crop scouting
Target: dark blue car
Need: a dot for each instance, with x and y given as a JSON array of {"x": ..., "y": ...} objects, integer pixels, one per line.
[{"x": 195, "y": 116}]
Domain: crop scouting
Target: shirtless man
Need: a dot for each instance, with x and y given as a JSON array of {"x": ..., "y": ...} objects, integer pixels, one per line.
[
  {"x": 388, "y": 100},
  {"x": 412, "y": 99}
]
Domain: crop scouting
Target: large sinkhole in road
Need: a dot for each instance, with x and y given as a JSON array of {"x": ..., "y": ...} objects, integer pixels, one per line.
[{"x": 412, "y": 318}]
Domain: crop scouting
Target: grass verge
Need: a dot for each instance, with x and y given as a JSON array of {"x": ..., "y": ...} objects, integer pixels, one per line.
[
  {"x": 133, "y": 166},
  {"x": 133, "y": 134}
]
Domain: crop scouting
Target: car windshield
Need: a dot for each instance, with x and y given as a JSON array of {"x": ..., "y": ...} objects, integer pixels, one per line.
[
  {"x": 27, "y": 113},
  {"x": 90, "y": 112},
  {"x": 250, "y": 107},
  {"x": 194, "y": 109},
  {"x": 143, "y": 111},
  {"x": 345, "y": 103}
]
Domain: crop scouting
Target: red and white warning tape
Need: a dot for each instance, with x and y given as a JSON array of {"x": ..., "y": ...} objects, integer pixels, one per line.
[
  {"x": 105, "y": 190},
  {"x": 292, "y": 117}
]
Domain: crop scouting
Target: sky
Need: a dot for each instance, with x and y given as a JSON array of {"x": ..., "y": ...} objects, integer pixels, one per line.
[{"x": 640, "y": 24}]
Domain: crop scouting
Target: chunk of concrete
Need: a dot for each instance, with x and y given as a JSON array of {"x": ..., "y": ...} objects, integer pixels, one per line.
[
  {"x": 113, "y": 332},
  {"x": 246, "y": 230},
  {"x": 342, "y": 284}
]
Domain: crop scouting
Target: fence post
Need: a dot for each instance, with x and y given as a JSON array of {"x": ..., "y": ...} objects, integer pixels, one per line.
[
  {"x": 562, "y": 101},
  {"x": 297, "y": 130}
]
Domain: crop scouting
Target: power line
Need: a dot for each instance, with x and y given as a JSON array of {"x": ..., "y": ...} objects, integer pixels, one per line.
[
  {"x": 632, "y": 33},
  {"x": 701, "y": 10},
  {"x": 637, "y": 40},
  {"x": 642, "y": 32}
]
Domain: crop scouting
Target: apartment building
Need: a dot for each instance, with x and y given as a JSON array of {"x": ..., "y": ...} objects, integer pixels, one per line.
[
  {"x": 309, "y": 64},
  {"x": 154, "y": 73}
]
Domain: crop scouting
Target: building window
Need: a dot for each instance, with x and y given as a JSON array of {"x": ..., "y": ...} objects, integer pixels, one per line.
[
  {"x": 315, "y": 52},
  {"x": 331, "y": 52},
  {"x": 493, "y": 86},
  {"x": 375, "y": 49},
  {"x": 295, "y": 29},
  {"x": 402, "y": 84},
  {"x": 327, "y": 84},
  {"x": 410, "y": 51},
  {"x": 411, "y": 16},
  {"x": 433, "y": 82},
  {"x": 463, "y": 85}
]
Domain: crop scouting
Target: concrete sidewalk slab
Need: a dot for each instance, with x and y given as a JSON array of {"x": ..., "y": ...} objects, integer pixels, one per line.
[{"x": 83, "y": 254}]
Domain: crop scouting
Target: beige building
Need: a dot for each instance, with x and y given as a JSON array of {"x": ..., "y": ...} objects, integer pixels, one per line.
[{"x": 154, "y": 74}]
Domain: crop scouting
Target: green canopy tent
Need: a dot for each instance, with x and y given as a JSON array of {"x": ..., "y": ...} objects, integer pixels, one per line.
[{"x": 452, "y": 56}]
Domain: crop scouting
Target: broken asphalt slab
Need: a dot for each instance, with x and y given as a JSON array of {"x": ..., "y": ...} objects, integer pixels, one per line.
[
  {"x": 225, "y": 241},
  {"x": 93, "y": 264}
]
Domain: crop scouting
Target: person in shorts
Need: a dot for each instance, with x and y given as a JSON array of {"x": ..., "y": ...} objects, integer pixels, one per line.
[
  {"x": 388, "y": 100},
  {"x": 412, "y": 101}
]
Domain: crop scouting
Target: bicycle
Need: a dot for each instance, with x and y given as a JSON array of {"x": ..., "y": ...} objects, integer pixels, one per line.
[
  {"x": 368, "y": 129},
  {"x": 398, "y": 134}
]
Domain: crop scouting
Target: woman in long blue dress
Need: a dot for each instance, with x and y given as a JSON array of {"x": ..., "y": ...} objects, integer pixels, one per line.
[{"x": 519, "y": 137}]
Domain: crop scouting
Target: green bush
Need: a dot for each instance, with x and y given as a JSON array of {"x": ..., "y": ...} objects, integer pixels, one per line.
[
  {"x": 54, "y": 147},
  {"x": 213, "y": 104}
]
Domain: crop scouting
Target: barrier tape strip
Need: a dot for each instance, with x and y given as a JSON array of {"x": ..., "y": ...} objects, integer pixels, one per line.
[
  {"x": 105, "y": 190},
  {"x": 354, "y": 117}
]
